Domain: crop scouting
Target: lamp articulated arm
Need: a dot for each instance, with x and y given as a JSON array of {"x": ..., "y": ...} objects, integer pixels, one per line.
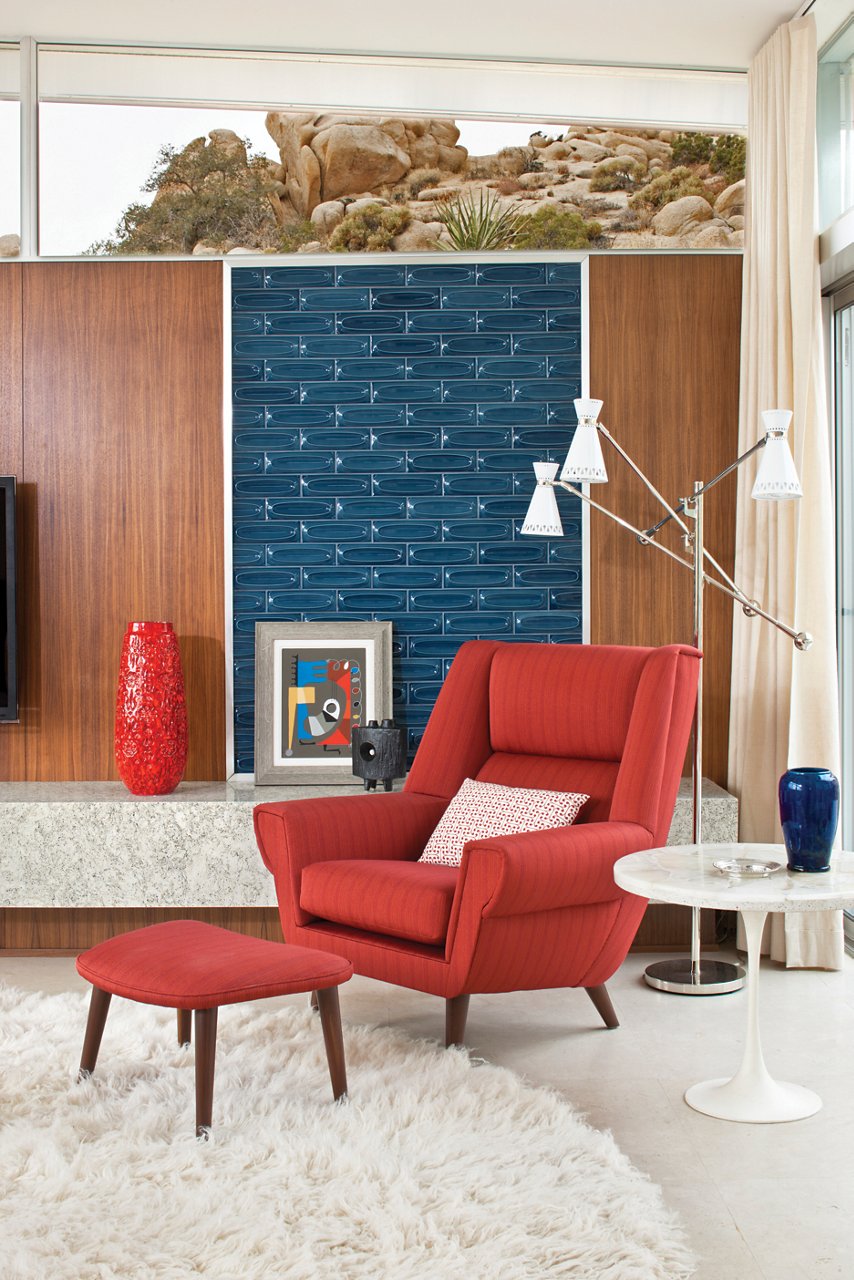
[
  {"x": 802, "y": 639},
  {"x": 587, "y": 466}
]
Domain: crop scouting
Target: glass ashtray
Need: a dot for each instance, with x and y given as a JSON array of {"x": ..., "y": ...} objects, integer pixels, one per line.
[{"x": 746, "y": 867}]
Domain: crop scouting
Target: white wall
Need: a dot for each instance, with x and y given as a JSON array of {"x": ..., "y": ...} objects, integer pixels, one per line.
[{"x": 687, "y": 33}]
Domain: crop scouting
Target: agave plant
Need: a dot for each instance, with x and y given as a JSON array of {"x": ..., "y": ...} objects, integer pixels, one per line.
[{"x": 479, "y": 224}]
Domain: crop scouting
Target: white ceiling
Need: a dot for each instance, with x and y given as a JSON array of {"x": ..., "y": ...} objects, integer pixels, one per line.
[{"x": 673, "y": 33}]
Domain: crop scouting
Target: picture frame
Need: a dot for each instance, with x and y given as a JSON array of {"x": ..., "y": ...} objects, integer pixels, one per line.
[{"x": 314, "y": 682}]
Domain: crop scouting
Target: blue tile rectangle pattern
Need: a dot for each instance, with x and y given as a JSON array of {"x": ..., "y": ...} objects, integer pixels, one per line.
[{"x": 385, "y": 420}]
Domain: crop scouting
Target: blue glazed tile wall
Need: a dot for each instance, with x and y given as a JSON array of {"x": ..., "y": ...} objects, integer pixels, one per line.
[{"x": 386, "y": 417}]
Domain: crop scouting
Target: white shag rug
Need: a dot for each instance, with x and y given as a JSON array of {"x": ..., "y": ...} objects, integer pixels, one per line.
[{"x": 438, "y": 1167}]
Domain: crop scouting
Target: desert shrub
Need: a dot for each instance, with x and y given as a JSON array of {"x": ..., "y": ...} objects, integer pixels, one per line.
[
  {"x": 589, "y": 206},
  {"x": 533, "y": 164},
  {"x": 373, "y": 227},
  {"x": 632, "y": 220},
  {"x": 537, "y": 181},
  {"x": 478, "y": 224},
  {"x": 295, "y": 235},
  {"x": 509, "y": 162},
  {"x": 418, "y": 179},
  {"x": 670, "y": 186},
  {"x": 207, "y": 191},
  {"x": 692, "y": 148},
  {"x": 507, "y": 186},
  {"x": 551, "y": 228},
  {"x": 729, "y": 157},
  {"x": 620, "y": 173}
]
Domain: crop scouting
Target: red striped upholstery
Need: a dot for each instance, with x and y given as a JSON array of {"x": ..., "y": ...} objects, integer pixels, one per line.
[
  {"x": 540, "y": 702},
  {"x": 404, "y": 899},
  {"x": 595, "y": 778},
  {"x": 527, "y": 911},
  {"x": 186, "y": 964}
]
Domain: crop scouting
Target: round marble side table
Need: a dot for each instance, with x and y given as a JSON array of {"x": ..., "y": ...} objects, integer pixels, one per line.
[{"x": 685, "y": 874}]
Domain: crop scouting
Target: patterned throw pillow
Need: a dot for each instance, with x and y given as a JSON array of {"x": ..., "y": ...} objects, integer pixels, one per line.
[{"x": 480, "y": 810}]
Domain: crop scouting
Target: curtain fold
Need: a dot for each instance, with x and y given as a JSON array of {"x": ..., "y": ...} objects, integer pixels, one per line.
[{"x": 784, "y": 704}]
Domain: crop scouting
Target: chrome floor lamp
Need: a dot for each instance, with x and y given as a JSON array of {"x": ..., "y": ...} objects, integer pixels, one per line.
[{"x": 776, "y": 479}]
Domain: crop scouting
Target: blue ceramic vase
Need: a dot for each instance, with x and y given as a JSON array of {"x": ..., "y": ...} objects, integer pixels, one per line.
[{"x": 809, "y": 812}]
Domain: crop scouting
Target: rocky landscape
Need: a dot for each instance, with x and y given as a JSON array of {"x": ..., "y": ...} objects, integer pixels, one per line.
[
  {"x": 350, "y": 183},
  {"x": 606, "y": 188}
]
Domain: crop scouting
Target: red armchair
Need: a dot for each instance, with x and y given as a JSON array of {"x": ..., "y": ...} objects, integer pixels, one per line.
[{"x": 522, "y": 912}]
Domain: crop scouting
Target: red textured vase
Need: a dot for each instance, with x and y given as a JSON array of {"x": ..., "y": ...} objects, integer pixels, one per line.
[{"x": 151, "y": 712}]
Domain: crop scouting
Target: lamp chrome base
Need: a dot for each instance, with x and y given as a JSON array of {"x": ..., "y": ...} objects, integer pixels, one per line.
[{"x": 682, "y": 978}]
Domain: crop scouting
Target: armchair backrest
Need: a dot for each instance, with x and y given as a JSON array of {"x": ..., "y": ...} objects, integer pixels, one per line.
[{"x": 610, "y": 720}]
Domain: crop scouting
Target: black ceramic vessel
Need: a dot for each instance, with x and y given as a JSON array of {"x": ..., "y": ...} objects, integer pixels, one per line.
[{"x": 379, "y": 753}]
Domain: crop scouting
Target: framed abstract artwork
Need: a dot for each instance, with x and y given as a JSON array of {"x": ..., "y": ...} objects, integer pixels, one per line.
[{"x": 314, "y": 683}]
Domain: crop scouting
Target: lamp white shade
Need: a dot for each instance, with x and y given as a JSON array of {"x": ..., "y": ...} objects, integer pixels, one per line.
[
  {"x": 543, "y": 516},
  {"x": 587, "y": 410},
  {"x": 584, "y": 462},
  {"x": 777, "y": 477}
]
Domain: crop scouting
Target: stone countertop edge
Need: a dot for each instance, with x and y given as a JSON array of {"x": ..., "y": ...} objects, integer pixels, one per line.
[
  {"x": 231, "y": 792},
  {"x": 241, "y": 790}
]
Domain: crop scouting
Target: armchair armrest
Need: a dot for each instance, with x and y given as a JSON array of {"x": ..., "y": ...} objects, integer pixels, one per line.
[
  {"x": 544, "y": 870},
  {"x": 293, "y": 833}
]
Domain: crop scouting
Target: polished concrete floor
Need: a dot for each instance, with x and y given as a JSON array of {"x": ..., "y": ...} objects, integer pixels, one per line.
[{"x": 760, "y": 1202}]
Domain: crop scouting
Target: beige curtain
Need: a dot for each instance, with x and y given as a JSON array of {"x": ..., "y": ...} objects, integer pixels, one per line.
[{"x": 784, "y": 709}]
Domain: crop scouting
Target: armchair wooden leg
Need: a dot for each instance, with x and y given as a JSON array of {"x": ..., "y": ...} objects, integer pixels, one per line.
[
  {"x": 456, "y": 1012},
  {"x": 185, "y": 1026},
  {"x": 314, "y": 1002},
  {"x": 602, "y": 1001},
  {"x": 330, "y": 1021},
  {"x": 99, "y": 1007},
  {"x": 205, "y": 1020}
]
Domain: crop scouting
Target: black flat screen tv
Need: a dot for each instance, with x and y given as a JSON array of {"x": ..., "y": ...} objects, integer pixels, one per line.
[{"x": 8, "y": 591}]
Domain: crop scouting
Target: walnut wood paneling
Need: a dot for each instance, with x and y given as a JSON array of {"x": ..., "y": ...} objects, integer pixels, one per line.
[
  {"x": 122, "y": 409},
  {"x": 12, "y": 736},
  {"x": 668, "y": 928},
  {"x": 664, "y": 357},
  {"x": 68, "y": 931}
]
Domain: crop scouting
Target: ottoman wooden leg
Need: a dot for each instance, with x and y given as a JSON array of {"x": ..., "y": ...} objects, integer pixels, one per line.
[
  {"x": 185, "y": 1026},
  {"x": 99, "y": 1007},
  {"x": 330, "y": 1020},
  {"x": 205, "y": 1020},
  {"x": 313, "y": 1001}
]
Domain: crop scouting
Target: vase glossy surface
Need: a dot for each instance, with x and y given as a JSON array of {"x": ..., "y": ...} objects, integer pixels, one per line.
[
  {"x": 809, "y": 813},
  {"x": 151, "y": 712}
]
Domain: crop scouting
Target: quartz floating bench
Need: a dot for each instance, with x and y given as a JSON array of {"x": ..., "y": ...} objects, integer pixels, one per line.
[{"x": 93, "y": 844}]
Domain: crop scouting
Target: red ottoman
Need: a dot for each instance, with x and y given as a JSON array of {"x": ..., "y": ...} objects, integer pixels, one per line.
[{"x": 195, "y": 967}]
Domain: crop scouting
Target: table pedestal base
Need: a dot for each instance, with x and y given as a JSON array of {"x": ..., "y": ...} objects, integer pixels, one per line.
[
  {"x": 753, "y": 1096},
  {"x": 754, "y": 1101}
]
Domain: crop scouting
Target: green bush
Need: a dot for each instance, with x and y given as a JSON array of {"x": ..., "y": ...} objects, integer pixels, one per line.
[
  {"x": 729, "y": 157},
  {"x": 692, "y": 148},
  {"x": 478, "y": 224},
  {"x": 620, "y": 173},
  {"x": 670, "y": 186},
  {"x": 551, "y": 228},
  {"x": 207, "y": 191},
  {"x": 371, "y": 228}
]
